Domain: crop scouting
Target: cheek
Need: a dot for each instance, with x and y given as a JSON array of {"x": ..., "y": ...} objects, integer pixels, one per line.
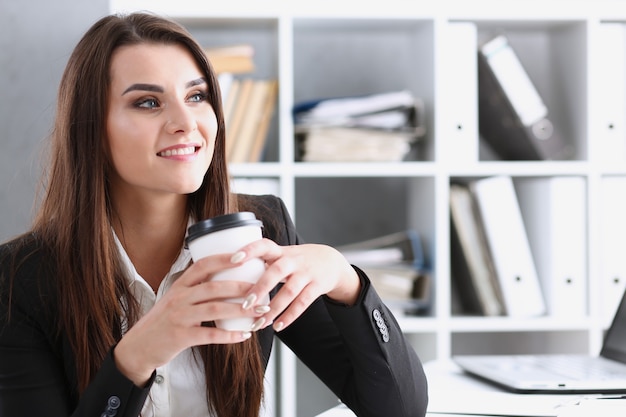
[
  {"x": 124, "y": 140},
  {"x": 116, "y": 138},
  {"x": 119, "y": 129},
  {"x": 210, "y": 131}
]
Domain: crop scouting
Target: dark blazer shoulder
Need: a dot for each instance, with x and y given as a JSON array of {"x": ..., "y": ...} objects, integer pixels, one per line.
[
  {"x": 27, "y": 279},
  {"x": 27, "y": 264},
  {"x": 271, "y": 210}
]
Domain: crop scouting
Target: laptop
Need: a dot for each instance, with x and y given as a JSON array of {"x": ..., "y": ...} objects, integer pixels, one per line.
[{"x": 558, "y": 373}]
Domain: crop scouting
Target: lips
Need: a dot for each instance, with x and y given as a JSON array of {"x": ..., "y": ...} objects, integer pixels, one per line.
[{"x": 188, "y": 150}]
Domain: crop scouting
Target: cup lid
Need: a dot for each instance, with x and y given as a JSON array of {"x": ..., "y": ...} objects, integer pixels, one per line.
[{"x": 225, "y": 221}]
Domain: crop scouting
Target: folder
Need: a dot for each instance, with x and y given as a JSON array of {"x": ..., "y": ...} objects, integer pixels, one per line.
[
  {"x": 404, "y": 247},
  {"x": 512, "y": 116},
  {"x": 508, "y": 244},
  {"x": 460, "y": 136},
  {"x": 613, "y": 228},
  {"x": 610, "y": 100},
  {"x": 471, "y": 266},
  {"x": 395, "y": 265},
  {"x": 554, "y": 210}
]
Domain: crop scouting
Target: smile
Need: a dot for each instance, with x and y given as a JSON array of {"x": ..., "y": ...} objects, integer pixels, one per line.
[{"x": 180, "y": 151}]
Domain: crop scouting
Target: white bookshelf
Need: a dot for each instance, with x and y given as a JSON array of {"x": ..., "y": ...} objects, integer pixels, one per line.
[{"x": 324, "y": 48}]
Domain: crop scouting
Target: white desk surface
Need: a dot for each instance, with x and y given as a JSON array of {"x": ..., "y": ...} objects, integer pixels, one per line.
[
  {"x": 455, "y": 394},
  {"x": 342, "y": 411}
]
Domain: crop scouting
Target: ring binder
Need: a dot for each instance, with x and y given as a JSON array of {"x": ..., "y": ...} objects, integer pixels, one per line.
[{"x": 512, "y": 117}]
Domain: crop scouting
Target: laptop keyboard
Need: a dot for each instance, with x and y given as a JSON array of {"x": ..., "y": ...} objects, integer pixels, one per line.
[{"x": 575, "y": 367}]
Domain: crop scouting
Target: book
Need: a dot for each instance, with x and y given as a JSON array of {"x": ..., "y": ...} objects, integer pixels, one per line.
[
  {"x": 512, "y": 117},
  {"x": 239, "y": 112},
  {"x": 260, "y": 138},
  {"x": 508, "y": 245},
  {"x": 235, "y": 59},
  {"x": 471, "y": 267},
  {"x": 250, "y": 121},
  {"x": 555, "y": 217},
  {"x": 263, "y": 127}
]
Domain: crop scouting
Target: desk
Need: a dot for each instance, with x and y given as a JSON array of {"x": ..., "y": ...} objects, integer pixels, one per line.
[
  {"x": 342, "y": 411},
  {"x": 452, "y": 393}
]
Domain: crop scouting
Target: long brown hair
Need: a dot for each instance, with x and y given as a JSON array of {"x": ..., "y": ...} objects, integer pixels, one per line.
[{"x": 74, "y": 218}]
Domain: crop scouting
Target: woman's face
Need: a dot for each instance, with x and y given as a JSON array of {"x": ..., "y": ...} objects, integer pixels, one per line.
[{"x": 161, "y": 128}]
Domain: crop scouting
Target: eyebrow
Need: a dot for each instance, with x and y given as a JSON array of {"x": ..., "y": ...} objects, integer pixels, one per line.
[{"x": 158, "y": 89}]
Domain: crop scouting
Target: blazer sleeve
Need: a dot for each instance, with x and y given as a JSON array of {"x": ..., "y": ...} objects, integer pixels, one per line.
[
  {"x": 37, "y": 371},
  {"x": 358, "y": 351}
]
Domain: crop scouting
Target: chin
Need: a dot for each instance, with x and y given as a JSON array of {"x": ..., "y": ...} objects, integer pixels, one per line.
[
  {"x": 192, "y": 188},
  {"x": 189, "y": 189}
]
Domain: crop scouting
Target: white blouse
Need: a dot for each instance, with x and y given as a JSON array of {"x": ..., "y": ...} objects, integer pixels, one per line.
[{"x": 179, "y": 388}]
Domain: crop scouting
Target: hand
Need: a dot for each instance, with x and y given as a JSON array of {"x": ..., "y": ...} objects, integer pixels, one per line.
[
  {"x": 307, "y": 272},
  {"x": 175, "y": 322}
]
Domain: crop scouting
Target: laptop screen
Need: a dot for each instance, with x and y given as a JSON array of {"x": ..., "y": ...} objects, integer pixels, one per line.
[{"x": 614, "y": 346}]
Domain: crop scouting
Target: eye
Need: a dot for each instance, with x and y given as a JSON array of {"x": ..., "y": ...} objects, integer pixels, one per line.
[
  {"x": 198, "y": 97},
  {"x": 147, "y": 103}
]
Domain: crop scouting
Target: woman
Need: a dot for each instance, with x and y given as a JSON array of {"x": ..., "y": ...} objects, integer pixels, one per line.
[{"x": 101, "y": 309}]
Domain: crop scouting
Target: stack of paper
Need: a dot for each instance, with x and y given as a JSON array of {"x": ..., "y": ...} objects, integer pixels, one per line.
[
  {"x": 395, "y": 265},
  {"x": 377, "y": 127}
]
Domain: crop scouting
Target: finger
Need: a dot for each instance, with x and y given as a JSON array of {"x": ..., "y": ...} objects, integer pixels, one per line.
[
  {"x": 275, "y": 273},
  {"x": 217, "y": 290},
  {"x": 265, "y": 249},
  {"x": 202, "y": 269},
  {"x": 295, "y": 309},
  {"x": 218, "y": 310},
  {"x": 292, "y": 299},
  {"x": 212, "y": 335}
]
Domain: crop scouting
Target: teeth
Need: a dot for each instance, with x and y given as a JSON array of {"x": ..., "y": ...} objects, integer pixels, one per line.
[{"x": 180, "y": 151}]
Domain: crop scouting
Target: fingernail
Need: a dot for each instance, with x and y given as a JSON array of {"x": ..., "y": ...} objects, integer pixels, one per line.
[
  {"x": 257, "y": 324},
  {"x": 279, "y": 326},
  {"x": 246, "y": 335},
  {"x": 262, "y": 309},
  {"x": 237, "y": 257},
  {"x": 247, "y": 303}
]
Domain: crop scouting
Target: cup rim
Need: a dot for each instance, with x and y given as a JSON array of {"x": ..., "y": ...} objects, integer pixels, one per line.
[{"x": 222, "y": 222}]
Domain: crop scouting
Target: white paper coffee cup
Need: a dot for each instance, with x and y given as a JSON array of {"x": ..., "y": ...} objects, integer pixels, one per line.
[{"x": 227, "y": 234}]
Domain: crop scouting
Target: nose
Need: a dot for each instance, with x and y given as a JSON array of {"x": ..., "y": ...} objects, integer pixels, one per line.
[{"x": 180, "y": 119}]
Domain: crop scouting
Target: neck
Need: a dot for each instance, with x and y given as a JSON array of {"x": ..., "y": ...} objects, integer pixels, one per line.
[{"x": 152, "y": 233}]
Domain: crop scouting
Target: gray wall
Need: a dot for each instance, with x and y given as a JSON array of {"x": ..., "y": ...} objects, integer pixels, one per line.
[{"x": 36, "y": 38}]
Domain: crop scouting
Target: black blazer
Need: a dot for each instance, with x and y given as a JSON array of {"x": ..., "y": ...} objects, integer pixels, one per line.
[{"x": 359, "y": 352}]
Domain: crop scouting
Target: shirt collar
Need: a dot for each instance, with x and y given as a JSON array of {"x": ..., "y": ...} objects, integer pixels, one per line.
[{"x": 180, "y": 264}]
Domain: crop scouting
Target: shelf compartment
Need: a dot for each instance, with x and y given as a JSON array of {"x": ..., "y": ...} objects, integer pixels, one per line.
[
  {"x": 554, "y": 53},
  {"x": 339, "y": 57}
]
